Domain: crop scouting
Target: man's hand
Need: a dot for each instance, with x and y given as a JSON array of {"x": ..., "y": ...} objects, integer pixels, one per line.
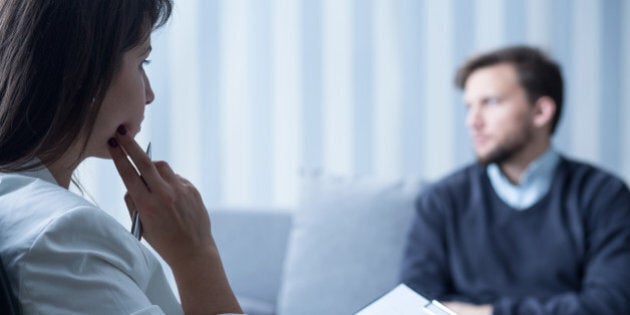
[{"x": 469, "y": 309}]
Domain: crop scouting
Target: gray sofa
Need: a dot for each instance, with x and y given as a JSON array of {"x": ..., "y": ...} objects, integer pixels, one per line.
[{"x": 335, "y": 252}]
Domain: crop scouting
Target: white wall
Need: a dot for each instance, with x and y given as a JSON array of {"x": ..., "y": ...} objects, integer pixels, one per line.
[{"x": 250, "y": 92}]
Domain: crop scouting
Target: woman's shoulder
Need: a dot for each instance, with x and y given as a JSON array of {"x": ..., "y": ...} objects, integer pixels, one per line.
[
  {"x": 28, "y": 205},
  {"x": 62, "y": 245},
  {"x": 19, "y": 190},
  {"x": 40, "y": 219},
  {"x": 88, "y": 232}
]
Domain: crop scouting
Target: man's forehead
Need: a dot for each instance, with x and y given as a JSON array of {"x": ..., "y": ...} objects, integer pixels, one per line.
[
  {"x": 491, "y": 81},
  {"x": 499, "y": 75}
]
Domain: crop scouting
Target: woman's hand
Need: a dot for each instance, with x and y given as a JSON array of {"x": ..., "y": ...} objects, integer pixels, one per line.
[
  {"x": 174, "y": 219},
  {"x": 176, "y": 223}
]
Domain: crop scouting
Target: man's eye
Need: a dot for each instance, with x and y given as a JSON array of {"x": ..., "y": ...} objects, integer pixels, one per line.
[{"x": 492, "y": 101}]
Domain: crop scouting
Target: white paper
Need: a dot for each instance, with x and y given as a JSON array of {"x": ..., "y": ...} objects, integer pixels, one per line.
[{"x": 400, "y": 301}]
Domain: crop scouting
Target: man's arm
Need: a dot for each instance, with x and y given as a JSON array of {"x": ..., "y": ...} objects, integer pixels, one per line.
[
  {"x": 425, "y": 263},
  {"x": 606, "y": 279}
]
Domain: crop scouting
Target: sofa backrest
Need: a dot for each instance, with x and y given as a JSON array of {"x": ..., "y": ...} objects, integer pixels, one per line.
[
  {"x": 337, "y": 251},
  {"x": 346, "y": 243}
]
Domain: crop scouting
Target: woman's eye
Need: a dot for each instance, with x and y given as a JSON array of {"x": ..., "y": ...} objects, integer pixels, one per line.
[{"x": 145, "y": 62}]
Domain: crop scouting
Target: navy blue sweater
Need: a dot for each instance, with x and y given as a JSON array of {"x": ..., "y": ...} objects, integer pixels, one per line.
[{"x": 569, "y": 253}]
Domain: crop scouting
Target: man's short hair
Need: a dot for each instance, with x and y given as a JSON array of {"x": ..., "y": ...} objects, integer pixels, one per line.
[{"x": 538, "y": 74}]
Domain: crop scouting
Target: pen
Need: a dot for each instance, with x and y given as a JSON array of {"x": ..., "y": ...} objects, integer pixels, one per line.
[{"x": 136, "y": 225}]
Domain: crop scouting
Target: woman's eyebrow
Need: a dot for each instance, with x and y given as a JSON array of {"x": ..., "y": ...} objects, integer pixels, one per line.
[{"x": 147, "y": 50}]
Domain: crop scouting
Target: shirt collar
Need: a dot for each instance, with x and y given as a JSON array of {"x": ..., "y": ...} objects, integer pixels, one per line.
[
  {"x": 534, "y": 185},
  {"x": 40, "y": 172}
]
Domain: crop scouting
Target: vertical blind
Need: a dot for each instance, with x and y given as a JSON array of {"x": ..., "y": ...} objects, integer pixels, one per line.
[{"x": 251, "y": 93}]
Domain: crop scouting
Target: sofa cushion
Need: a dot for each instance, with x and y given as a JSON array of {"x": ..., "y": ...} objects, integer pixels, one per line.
[{"x": 346, "y": 244}]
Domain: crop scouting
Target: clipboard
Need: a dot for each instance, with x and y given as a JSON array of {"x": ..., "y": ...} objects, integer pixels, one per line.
[{"x": 402, "y": 300}]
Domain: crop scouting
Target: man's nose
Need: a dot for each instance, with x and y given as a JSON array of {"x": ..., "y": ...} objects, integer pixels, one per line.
[{"x": 474, "y": 119}]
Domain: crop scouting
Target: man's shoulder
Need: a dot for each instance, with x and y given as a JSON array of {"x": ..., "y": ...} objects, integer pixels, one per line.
[
  {"x": 592, "y": 188},
  {"x": 456, "y": 185},
  {"x": 465, "y": 176},
  {"x": 586, "y": 174}
]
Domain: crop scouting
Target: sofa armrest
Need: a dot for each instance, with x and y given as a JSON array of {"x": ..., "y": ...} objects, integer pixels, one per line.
[{"x": 252, "y": 243}]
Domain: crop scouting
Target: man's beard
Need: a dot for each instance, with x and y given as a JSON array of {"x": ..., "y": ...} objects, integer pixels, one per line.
[{"x": 507, "y": 151}]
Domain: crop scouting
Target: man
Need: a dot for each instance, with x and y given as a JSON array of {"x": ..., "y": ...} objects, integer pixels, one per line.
[{"x": 524, "y": 230}]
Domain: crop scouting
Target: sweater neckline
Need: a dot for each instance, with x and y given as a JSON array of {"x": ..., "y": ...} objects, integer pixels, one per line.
[{"x": 558, "y": 172}]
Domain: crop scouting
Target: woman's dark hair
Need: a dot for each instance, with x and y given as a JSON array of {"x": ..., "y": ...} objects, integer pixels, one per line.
[
  {"x": 57, "y": 60},
  {"x": 538, "y": 74}
]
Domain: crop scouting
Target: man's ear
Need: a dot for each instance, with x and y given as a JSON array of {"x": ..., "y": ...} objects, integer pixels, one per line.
[{"x": 544, "y": 111}]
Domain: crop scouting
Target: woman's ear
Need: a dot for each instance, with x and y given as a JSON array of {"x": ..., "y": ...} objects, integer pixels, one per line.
[{"x": 544, "y": 112}]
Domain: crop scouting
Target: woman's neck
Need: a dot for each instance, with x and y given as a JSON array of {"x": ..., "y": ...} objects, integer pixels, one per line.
[
  {"x": 63, "y": 168},
  {"x": 62, "y": 172}
]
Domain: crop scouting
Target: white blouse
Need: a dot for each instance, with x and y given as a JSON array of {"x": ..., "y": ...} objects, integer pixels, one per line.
[{"x": 66, "y": 256}]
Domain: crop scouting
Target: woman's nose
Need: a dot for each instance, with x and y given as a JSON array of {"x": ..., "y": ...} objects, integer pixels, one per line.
[{"x": 150, "y": 96}]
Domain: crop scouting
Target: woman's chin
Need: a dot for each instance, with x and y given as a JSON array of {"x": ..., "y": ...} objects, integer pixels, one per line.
[{"x": 103, "y": 155}]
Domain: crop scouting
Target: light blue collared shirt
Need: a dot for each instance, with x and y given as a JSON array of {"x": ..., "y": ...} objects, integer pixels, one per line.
[{"x": 534, "y": 185}]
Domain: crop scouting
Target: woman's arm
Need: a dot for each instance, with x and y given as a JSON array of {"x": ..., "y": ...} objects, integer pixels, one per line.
[{"x": 176, "y": 223}]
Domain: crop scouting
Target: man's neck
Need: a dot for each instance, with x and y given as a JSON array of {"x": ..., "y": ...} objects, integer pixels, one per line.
[{"x": 514, "y": 168}]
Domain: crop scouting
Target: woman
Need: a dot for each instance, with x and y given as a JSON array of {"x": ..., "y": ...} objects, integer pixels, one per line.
[{"x": 72, "y": 86}]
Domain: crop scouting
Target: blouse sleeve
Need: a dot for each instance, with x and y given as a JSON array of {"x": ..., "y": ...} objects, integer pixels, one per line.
[{"x": 84, "y": 262}]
